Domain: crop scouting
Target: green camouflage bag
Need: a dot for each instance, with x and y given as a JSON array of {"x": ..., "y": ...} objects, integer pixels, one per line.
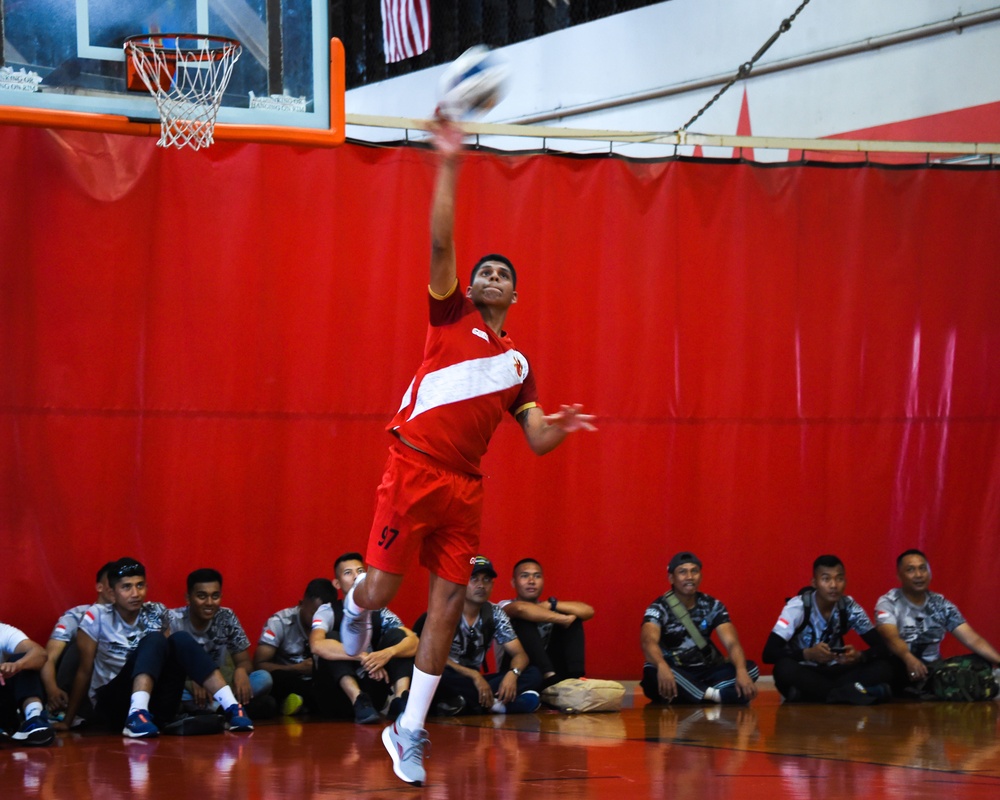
[{"x": 962, "y": 678}]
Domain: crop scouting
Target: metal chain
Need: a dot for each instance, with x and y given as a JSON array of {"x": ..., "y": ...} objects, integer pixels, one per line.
[{"x": 746, "y": 67}]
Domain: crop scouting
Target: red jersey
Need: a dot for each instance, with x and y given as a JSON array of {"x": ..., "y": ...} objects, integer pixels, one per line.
[{"x": 468, "y": 378}]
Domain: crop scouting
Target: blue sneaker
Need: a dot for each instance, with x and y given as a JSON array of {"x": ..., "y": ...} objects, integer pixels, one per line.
[
  {"x": 35, "y": 731},
  {"x": 140, "y": 725},
  {"x": 237, "y": 720},
  {"x": 524, "y": 703}
]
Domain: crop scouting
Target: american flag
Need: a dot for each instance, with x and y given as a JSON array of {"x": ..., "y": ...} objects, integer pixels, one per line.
[{"x": 406, "y": 28}]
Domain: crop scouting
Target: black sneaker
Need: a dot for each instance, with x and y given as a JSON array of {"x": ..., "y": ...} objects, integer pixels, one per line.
[
  {"x": 448, "y": 706},
  {"x": 851, "y": 694},
  {"x": 397, "y": 706},
  {"x": 364, "y": 711},
  {"x": 195, "y": 725},
  {"x": 35, "y": 731}
]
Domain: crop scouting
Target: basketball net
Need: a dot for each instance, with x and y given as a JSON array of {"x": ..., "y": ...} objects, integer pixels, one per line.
[{"x": 187, "y": 74}]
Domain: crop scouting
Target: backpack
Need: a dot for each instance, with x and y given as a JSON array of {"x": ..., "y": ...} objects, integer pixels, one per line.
[
  {"x": 584, "y": 695},
  {"x": 808, "y": 594},
  {"x": 961, "y": 678}
]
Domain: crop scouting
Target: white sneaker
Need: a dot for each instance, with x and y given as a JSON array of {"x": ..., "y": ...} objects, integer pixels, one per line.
[
  {"x": 355, "y": 629},
  {"x": 406, "y": 748}
]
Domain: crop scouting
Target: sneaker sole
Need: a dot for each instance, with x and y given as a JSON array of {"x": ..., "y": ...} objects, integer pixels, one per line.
[
  {"x": 240, "y": 729},
  {"x": 35, "y": 738},
  {"x": 142, "y": 735},
  {"x": 391, "y": 750}
]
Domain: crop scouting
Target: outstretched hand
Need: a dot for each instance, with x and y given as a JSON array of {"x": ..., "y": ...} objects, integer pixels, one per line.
[{"x": 571, "y": 418}]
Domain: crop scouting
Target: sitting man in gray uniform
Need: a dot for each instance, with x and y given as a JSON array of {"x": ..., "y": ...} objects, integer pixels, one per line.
[
  {"x": 283, "y": 649},
  {"x": 218, "y": 630},
  {"x": 464, "y": 688},
  {"x": 812, "y": 663},
  {"x": 914, "y": 620},
  {"x": 63, "y": 653},
  {"x": 683, "y": 665},
  {"x": 359, "y": 685}
]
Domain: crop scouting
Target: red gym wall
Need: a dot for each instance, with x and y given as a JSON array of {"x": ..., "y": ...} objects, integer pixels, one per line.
[{"x": 200, "y": 352}]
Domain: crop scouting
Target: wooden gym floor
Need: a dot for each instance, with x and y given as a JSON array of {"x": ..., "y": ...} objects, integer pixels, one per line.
[{"x": 769, "y": 750}]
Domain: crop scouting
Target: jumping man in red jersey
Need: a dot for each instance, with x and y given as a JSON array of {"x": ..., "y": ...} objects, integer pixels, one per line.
[{"x": 430, "y": 498}]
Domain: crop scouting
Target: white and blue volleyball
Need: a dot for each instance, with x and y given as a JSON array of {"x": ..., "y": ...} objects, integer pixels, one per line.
[{"x": 472, "y": 84}]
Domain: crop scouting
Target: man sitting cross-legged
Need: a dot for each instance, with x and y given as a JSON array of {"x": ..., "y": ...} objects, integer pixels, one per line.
[
  {"x": 549, "y": 629},
  {"x": 363, "y": 680},
  {"x": 464, "y": 689}
]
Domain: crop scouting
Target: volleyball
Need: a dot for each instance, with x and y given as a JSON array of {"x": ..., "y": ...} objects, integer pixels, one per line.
[{"x": 472, "y": 84}]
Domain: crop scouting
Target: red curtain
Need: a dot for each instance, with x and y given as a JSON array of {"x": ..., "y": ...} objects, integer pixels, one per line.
[{"x": 200, "y": 352}]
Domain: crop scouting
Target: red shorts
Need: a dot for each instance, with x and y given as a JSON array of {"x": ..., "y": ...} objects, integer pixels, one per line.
[{"x": 422, "y": 505}]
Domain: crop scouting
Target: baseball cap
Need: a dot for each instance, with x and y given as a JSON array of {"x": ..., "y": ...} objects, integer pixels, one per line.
[
  {"x": 483, "y": 564},
  {"x": 684, "y": 557}
]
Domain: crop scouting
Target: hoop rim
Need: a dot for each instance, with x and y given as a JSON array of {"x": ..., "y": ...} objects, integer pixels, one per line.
[{"x": 144, "y": 41}]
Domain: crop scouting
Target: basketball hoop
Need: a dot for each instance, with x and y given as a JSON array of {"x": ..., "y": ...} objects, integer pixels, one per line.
[{"x": 187, "y": 74}]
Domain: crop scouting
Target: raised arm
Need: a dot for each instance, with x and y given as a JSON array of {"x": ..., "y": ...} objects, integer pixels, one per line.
[{"x": 444, "y": 275}]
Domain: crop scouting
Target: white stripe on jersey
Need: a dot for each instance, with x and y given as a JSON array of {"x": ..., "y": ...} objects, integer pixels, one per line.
[{"x": 468, "y": 379}]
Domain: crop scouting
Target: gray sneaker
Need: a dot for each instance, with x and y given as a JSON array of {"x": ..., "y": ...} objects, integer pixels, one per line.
[
  {"x": 406, "y": 748},
  {"x": 355, "y": 629}
]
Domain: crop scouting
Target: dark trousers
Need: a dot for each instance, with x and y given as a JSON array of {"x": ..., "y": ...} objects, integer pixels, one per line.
[
  {"x": 564, "y": 655},
  {"x": 331, "y": 698},
  {"x": 169, "y": 662},
  {"x": 693, "y": 681},
  {"x": 454, "y": 683},
  {"x": 288, "y": 682},
  {"x": 813, "y": 684},
  {"x": 26, "y": 683}
]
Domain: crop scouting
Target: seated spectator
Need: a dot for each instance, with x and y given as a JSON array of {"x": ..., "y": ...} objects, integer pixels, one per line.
[
  {"x": 811, "y": 661},
  {"x": 283, "y": 649},
  {"x": 63, "y": 654},
  {"x": 463, "y": 687},
  {"x": 21, "y": 689},
  {"x": 218, "y": 630},
  {"x": 363, "y": 680},
  {"x": 133, "y": 667},
  {"x": 683, "y": 665},
  {"x": 914, "y": 620},
  {"x": 550, "y": 630}
]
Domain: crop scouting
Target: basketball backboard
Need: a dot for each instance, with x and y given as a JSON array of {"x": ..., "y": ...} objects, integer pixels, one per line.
[{"x": 66, "y": 55}]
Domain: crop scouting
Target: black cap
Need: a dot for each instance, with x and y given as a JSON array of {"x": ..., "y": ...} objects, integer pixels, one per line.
[
  {"x": 483, "y": 564},
  {"x": 684, "y": 557}
]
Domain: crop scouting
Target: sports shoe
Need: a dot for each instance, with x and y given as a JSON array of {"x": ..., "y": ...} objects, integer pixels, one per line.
[
  {"x": 292, "y": 705},
  {"x": 406, "y": 748},
  {"x": 448, "y": 706},
  {"x": 524, "y": 703},
  {"x": 397, "y": 706},
  {"x": 139, "y": 725},
  {"x": 35, "y": 731},
  {"x": 237, "y": 720},
  {"x": 364, "y": 711},
  {"x": 355, "y": 629},
  {"x": 4, "y": 736},
  {"x": 851, "y": 694}
]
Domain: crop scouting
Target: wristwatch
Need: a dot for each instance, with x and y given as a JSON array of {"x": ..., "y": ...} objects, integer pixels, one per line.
[
  {"x": 516, "y": 671},
  {"x": 553, "y": 603}
]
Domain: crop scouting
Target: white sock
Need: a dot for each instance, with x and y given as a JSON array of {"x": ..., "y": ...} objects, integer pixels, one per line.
[
  {"x": 140, "y": 702},
  {"x": 713, "y": 694},
  {"x": 349, "y": 605},
  {"x": 498, "y": 707},
  {"x": 225, "y": 697},
  {"x": 422, "y": 688},
  {"x": 32, "y": 710}
]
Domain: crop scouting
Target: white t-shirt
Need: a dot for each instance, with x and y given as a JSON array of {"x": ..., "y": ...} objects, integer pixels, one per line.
[{"x": 10, "y": 638}]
